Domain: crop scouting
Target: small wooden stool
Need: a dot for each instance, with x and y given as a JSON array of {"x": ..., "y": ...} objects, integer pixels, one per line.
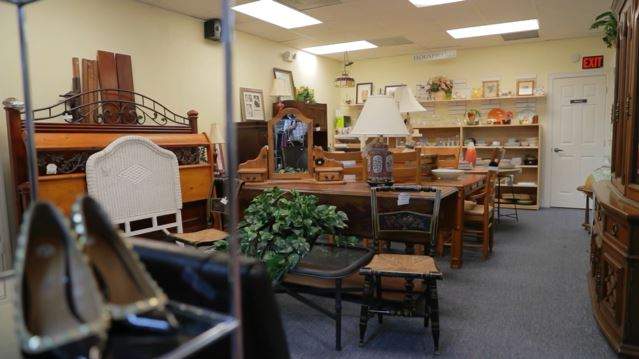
[{"x": 409, "y": 267}]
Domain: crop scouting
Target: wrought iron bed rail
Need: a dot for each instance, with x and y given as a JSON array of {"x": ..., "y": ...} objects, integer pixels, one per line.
[{"x": 130, "y": 108}]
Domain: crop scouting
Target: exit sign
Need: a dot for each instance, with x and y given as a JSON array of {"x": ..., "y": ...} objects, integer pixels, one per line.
[{"x": 592, "y": 62}]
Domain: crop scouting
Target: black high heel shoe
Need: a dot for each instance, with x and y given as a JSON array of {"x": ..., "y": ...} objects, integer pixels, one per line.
[
  {"x": 59, "y": 311},
  {"x": 133, "y": 298}
]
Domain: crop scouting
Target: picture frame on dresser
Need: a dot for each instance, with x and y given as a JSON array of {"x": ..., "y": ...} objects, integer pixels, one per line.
[
  {"x": 287, "y": 75},
  {"x": 252, "y": 104}
]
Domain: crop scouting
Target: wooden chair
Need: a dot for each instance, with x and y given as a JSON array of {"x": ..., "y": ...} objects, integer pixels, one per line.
[
  {"x": 138, "y": 184},
  {"x": 407, "y": 167},
  {"x": 479, "y": 215},
  {"x": 409, "y": 225},
  {"x": 447, "y": 157},
  {"x": 353, "y": 163}
]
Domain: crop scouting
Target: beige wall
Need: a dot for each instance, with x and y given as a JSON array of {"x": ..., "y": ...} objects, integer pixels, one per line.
[
  {"x": 172, "y": 62},
  {"x": 505, "y": 63}
]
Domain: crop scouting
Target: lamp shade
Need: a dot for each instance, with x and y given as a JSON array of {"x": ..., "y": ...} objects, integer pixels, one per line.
[
  {"x": 215, "y": 135},
  {"x": 406, "y": 100},
  {"x": 380, "y": 117},
  {"x": 280, "y": 88}
]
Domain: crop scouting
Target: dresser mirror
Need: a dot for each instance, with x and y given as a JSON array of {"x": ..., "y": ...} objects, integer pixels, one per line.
[{"x": 291, "y": 141}]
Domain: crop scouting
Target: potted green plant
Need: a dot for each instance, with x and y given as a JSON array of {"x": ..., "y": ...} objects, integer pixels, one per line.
[
  {"x": 279, "y": 228},
  {"x": 608, "y": 21},
  {"x": 305, "y": 94}
]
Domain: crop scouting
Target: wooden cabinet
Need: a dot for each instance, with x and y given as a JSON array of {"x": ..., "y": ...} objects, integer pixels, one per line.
[
  {"x": 614, "y": 256},
  {"x": 251, "y": 137}
]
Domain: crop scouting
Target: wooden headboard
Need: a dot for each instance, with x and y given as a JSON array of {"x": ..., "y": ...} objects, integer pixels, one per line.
[{"x": 67, "y": 133}]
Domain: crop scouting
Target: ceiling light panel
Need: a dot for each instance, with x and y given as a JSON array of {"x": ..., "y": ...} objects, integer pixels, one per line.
[
  {"x": 495, "y": 29},
  {"x": 276, "y": 14},
  {"x": 341, "y": 47},
  {"x": 424, "y": 3}
]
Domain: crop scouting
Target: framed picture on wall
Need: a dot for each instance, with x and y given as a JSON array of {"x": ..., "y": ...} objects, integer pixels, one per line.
[
  {"x": 252, "y": 104},
  {"x": 490, "y": 89},
  {"x": 287, "y": 75},
  {"x": 525, "y": 87},
  {"x": 363, "y": 90},
  {"x": 390, "y": 89}
]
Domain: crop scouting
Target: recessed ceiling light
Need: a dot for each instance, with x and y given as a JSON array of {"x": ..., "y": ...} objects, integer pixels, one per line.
[
  {"x": 424, "y": 3},
  {"x": 277, "y": 14},
  {"x": 342, "y": 47},
  {"x": 494, "y": 29}
]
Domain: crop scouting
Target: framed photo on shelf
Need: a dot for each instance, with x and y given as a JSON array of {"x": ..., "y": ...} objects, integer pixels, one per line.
[
  {"x": 362, "y": 91},
  {"x": 525, "y": 87},
  {"x": 390, "y": 89},
  {"x": 286, "y": 75},
  {"x": 490, "y": 89},
  {"x": 252, "y": 104}
]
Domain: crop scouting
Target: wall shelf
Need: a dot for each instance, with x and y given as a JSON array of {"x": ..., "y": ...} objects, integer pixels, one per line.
[{"x": 483, "y": 99}]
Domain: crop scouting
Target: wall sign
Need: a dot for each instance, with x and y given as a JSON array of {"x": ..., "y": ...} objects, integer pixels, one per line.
[
  {"x": 435, "y": 55},
  {"x": 592, "y": 62}
]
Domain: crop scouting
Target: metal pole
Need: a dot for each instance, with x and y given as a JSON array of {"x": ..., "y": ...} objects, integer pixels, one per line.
[
  {"x": 32, "y": 160},
  {"x": 235, "y": 283}
]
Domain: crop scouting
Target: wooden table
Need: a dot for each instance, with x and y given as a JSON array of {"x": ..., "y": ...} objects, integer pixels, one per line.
[
  {"x": 465, "y": 185},
  {"x": 588, "y": 192},
  {"x": 354, "y": 200}
]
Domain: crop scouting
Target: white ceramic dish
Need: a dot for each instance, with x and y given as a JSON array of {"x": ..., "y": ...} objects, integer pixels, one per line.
[{"x": 447, "y": 173}]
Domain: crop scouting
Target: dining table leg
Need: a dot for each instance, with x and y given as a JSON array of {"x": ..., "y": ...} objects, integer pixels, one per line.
[{"x": 456, "y": 243}]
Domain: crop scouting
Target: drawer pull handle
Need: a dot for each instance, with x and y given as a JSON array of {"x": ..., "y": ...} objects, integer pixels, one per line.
[{"x": 615, "y": 229}]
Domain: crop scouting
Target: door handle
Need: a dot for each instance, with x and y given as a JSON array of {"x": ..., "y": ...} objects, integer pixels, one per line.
[{"x": 557, "y": 149}]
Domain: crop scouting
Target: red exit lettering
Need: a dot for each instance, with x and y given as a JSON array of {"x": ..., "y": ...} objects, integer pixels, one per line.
[{"x": 592, "y": 62}]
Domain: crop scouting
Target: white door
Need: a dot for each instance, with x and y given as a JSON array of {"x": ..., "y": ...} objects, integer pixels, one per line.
[{"x": 577, "y": 138}]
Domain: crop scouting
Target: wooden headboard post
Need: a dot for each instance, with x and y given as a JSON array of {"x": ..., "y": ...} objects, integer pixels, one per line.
[
  {"x": 192, "y": 116},
  {"x": 17, "y": 153}
]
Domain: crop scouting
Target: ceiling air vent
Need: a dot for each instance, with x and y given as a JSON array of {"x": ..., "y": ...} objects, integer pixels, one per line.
[
  {"x": 391, "y": 41},
  {"x": 302, "y": 5},
  {"x": 521, "y": 35}
]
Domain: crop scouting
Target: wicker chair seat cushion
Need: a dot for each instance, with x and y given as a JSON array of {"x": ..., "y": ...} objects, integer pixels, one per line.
[
  {"x": 199, "y": 238},
  {"x": 402, "y": 264}
]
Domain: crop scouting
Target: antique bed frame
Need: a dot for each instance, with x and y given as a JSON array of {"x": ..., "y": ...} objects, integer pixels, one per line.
[{"x": 86, "y": 123}]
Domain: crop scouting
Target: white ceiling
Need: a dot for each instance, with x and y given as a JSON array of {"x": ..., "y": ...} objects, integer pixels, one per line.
[{"x": 426, "y": 27}]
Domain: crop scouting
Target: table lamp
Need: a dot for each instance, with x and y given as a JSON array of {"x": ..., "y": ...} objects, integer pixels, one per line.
[
  {"x": 279, "y": 89},
  {"x": 215, "y": 136},
  {"x": 380, "y": 118},
  {"x": 407, "y": 103}
]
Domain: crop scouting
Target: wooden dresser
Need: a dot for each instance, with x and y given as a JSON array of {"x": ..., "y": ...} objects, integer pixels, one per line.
[{"x": 614, "y": 256}]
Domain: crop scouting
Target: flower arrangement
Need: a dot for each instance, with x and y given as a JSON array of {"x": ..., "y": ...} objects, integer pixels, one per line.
[{"x": 440, "y": 83}]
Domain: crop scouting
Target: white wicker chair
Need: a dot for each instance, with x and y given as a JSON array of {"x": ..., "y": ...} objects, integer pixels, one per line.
[{"x": 135, "y": 179}]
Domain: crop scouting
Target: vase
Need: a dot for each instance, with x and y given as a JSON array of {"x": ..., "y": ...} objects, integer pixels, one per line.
[{"x": 440, "y": 95}]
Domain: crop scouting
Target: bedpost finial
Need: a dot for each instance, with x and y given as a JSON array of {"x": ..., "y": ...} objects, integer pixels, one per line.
[{"x": 192, "y": 114}]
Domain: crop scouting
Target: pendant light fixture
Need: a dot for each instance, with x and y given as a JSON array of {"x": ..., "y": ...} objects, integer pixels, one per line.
[{"x": 345, "y": 79}]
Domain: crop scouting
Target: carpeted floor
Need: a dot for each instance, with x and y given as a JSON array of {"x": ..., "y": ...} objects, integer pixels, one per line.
[{"x": 529, "y": 300}]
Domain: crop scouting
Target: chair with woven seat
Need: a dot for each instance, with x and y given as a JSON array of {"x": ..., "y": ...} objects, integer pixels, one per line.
[
  {"x": 138, "y": 184},
  {"x": 353, "y": 163},
  {"x": 407, "y": 166},
  {"x": 396, "y": 220},
  {"x": 479, "y": 215}
]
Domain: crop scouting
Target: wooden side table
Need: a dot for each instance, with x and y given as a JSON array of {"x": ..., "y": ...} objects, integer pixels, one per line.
[{"x": 588, "y": 192}]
